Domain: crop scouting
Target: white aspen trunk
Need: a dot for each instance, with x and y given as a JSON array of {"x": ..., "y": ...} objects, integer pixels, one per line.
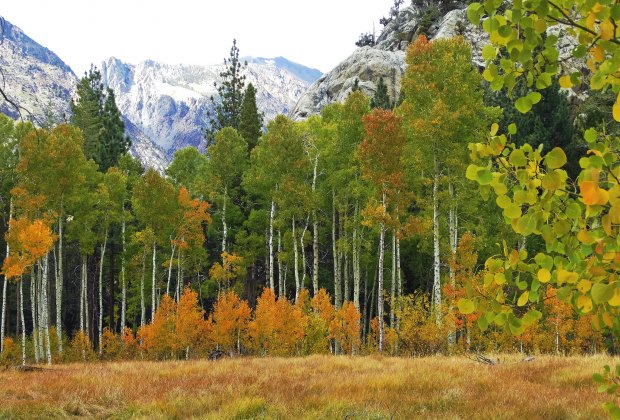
[
  {"x": 315, "y": 254},
  {"x": 40, "y": 319},
  {"x": 399, "y": 285},
  {"x": 453, "y": 232},
  {"x": 315, "y": 234},
  {"x": 153, "y": 282},
  {"x": 281, "y": 274},
  {"x": 380, "y": 280},
  {"x": 142, "y": 294},
  {"x": 224, "y": 226},
  {"x": 4, "y": 286},
  {"x": 101, "y": 258},
  {"x": 271, "y": 215},
  {"x": 23, "y": 321},
  {"x": 179, "y": 277},
  {"x": 436, "y": 260},
  {"x": 337, "y": 285},
  {"x": 86, "y": 310},
  {"x": 356, "y": 260},
  {"x": 345, "y": 277},
  {"x": 393, "y": 285},
  {"x": 33, "y": 311},
  {"x": 123, "y": 284},
  {"x": 303, "y": 254},
  {"x": 170, "y": 270},
  {"x": 296, "y": 261},
  {"x": 48, "y": 349},
  {"x": 59, "y": 277}
]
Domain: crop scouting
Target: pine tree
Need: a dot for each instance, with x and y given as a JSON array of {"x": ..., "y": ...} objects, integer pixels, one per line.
[
  {"x": 227, "y": 106},
  {"x": 250, "y": 120},
  {"x": 114, "y": 141},
  {"x": 381, "y": 98},
  {"x": 87, "y": 112}
]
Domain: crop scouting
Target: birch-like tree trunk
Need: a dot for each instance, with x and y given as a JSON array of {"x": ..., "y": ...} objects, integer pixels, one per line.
[
  {"x": 356, "y": 259},
  {"x": 59, "y": 277},
  {"x": 170, "y": 270},
  {"x": 380, "y": 278},
  {"x": 101, "y": 257},
  {"x": 271, "y": 215},
  {"x": 44, "y": 304},
  {"x": 33, "y": 311},
  {"x": 337, "y": 285},
  {"x": 83, "y": 286},
  {"x": 180, "y": 284},
  {"x": 303, "y": 253},
  {"x": 281, "y": 274},
  {"x": 123, "y": 284},
  {"x": 224, "y": 226},
  {"x": 40, "y": 307},
  {"x": 315, "y": 234},
  {"x": 142, "y": 294},
  {"x": 453, "y": 232},
  {"x": 153, "y": 281},
  {"x": 436, "y": 260},
  {"x": 296, "y": 261},
  {"x": 4, "y": 286},
  {"x": 315, "y": 253},
  {"x": 23, "y": 321}
]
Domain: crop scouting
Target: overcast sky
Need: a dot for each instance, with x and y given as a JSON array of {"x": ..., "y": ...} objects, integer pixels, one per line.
[{"x": 315, "y": 33}]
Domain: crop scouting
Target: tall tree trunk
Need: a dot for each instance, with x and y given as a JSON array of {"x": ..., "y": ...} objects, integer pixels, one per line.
[
  {"x": 296, "y": 261},
  {"x": 153, "y": 282},
  {"x": 142, "y": 294},
  {"x": 393, "y": 285},
  {"x": 179, "y": 276},
  {"x": 170, "y": 270},
  {"x": 380, "y": 278},
  {"x": 4, "y": 286},
  {"x": 123, "y": 284},
  {"x": 271, "y": 215},
  {"x": 224, "y": 226},
  {"x": 337, "y": 285},
  {"x": 33, "y": 311},
  {"x": 101, "y": 259},
  {"x": 40, "y": 320},
  {"x": 83, "y": 294},
  {"x": 59, "y": 278},
  {"x": 345, "y": 278},
  {"x": 453, "y": 232},
  {"x": 22, "y": 320},
  {"x": 303, "y": 253},
  {"x": 112, "y": 289},
  {"x": 356, "y": 259},
  {"x": 48, "y": 350},
  {"x": 281, "y": 275},
  {"x": 86, "y": 298},
  {"x": 315, "y": 253},
  {"x": 436, "y": 260}
]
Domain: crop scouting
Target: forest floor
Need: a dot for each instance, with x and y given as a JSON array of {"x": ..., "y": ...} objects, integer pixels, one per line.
[{"x": 312, "y": 387}]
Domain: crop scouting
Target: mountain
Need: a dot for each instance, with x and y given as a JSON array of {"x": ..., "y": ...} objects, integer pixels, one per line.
[
  {"x": 33, "y": 77},
  {"x": 169, "y": 103}
]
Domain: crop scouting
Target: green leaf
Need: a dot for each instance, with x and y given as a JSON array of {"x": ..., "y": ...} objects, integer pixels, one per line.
[
  {"x": 556, "y": 158},
  {"x": 512, "y": 211},
  {"x": 534, "y": 97},
  {"x": 517, "y": 158},
  {"x": 543, "y": 81},
  {"x": 590, "y": 135},
  {"x": 474, "y": 12},
  {"x": 488, "y": 52},
  {"x": 523, "y": 104},
  {"x": 523, "y": 298},
  {"x": 484, "y": 176},
  {"x": 466, "y": 306},
  {"x": 601, "y": 292},
  {"x": 597, "y": 377},
  {"x": 512, "y": 129},
  {"x": 472, "y": 172}
]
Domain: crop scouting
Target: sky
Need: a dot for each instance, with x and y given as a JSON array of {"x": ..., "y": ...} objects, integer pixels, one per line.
[{"x": 315, "y": 33}]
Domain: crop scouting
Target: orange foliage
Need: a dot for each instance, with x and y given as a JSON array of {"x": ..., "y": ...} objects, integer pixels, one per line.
[
  {"x": 229, "y": 270},
  {"x": 345, "y": 328},
  {"x": 29, "y": 241},
  {"x": 158, "y": 339},
  {"x": 229, "y": 322}
]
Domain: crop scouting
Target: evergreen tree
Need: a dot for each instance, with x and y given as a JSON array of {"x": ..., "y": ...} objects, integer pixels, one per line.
[
  {"x": 381, "y": 98},
  {"x": 227, "y": 106},
  {"x": 250, "y": 120},
  {"x": 114, "y": 140},
  {"x": 87, "y": 112}
]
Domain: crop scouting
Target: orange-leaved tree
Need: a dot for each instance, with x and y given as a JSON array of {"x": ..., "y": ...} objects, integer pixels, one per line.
[{"x": 230, "y": 319}]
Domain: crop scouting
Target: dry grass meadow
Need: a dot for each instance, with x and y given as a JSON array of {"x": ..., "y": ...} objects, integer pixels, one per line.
[{"x": 312, "y": 387}]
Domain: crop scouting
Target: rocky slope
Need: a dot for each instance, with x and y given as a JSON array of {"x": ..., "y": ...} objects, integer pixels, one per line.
[
  {"x": 386, "y": 58},
  {"x": 169, "y": 103}
]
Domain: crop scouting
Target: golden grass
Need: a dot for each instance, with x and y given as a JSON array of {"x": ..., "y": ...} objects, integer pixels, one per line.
[{"x": 311, "y": 387}]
